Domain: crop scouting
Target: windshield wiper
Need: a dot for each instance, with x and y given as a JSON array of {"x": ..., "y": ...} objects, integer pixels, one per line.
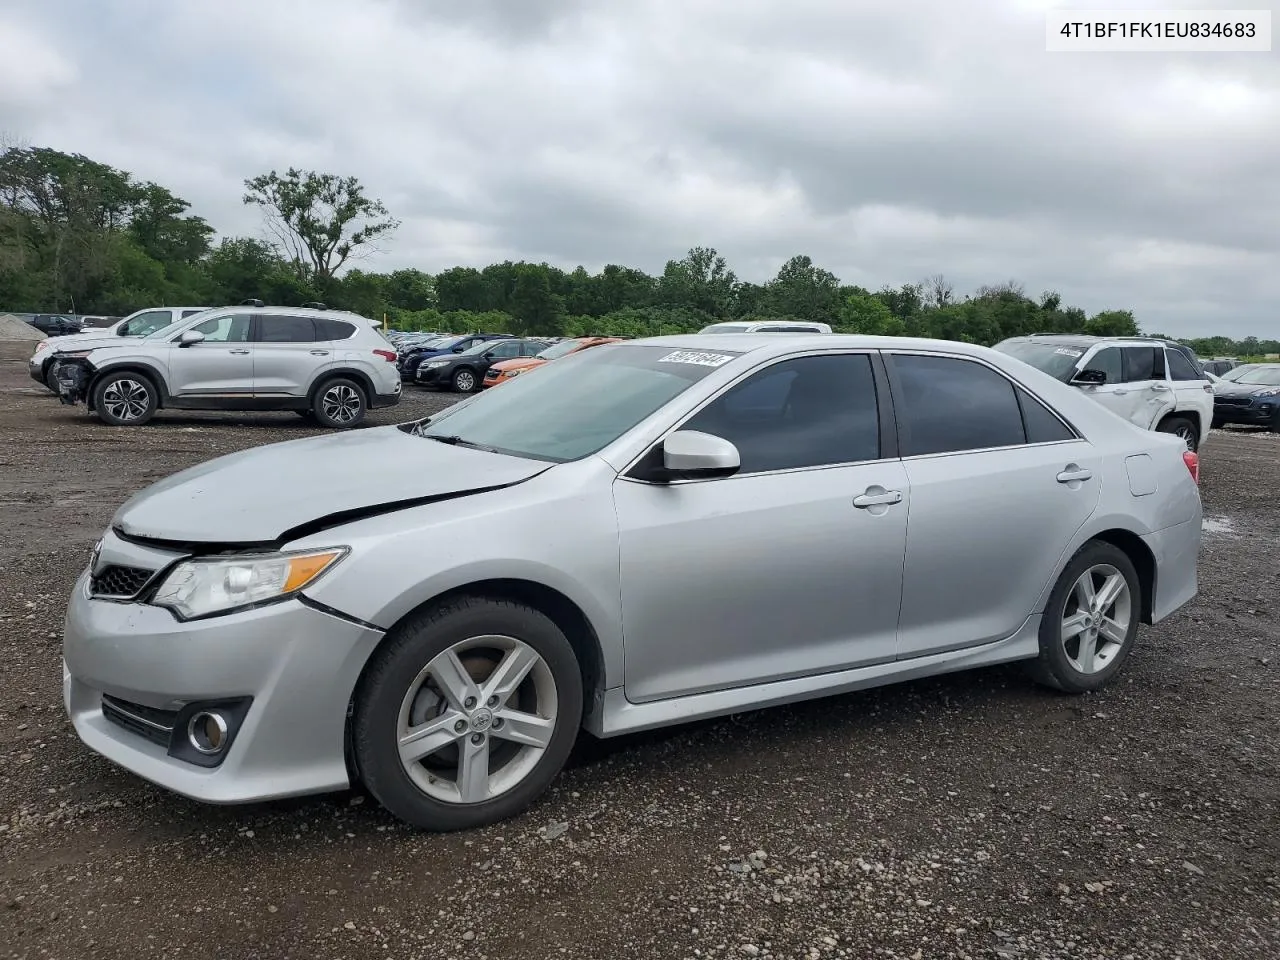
[{"x": 456, "y": 441}]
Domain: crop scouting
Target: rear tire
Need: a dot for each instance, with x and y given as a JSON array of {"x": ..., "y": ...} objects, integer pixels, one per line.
[
  {"x": 125, "y": 399},
  {"x": 1184, "y": 428},
  {"x": 339, "y": 403},
  {"x": 490, "y": 692},
  {"x": 1085, "y": 633}
]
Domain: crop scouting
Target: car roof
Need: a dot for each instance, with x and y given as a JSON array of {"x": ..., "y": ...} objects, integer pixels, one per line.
[
  {"x": 1092, "y": 339},
  {"x": 768, "y": 344}
]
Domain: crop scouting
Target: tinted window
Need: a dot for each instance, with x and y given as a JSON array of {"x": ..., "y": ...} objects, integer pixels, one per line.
[
  {"x": 1143, "y": 363},
  {"x": 277, "y": 329},
  {"x": 1041, "y": 424},
  {"x": 1108, "y": 361},
  {"x": 228, "y": 329},
  {"x": 806, "y": 412},
  {"x": 950, "y": 404},
  {"x": 531, "y": 349},
  {"x": 190, "y": 313},
  {"x": 787, "y": 330},
  {"x": 1180, "y": 368},
  {"x": 505, "y": 350},
  {"x": 327, "y": 329}
]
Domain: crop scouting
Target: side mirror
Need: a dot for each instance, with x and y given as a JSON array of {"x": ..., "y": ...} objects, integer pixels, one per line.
[
  {"x": 688, "y": 454},
  {"x": 459, "y": 349},
  {"x": 1090, "y": 377},
  {"x": 490, "y": 354},
  {"x": 122, "y": 330},
  {"x": 190, "y": 338}
]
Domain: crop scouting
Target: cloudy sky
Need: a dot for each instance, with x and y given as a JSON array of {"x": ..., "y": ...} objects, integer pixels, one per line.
[{"x": 888, "y": 141}]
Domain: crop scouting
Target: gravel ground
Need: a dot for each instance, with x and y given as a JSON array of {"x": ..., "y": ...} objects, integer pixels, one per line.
[{"x": 969, "y": 816}]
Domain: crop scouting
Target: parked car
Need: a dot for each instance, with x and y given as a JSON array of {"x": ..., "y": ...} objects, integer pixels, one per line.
[
  {"x": 55, "y": 324},
  {"x": 1152, "y": 383},
  {"x": 408, "y": 363},
  {"x": 1235, "y": 373},
  {"x": 768, "y": 326},
  {"x": 138, "y": 324},
  {"x": 464, "y": 372},
  {"x": 1219, "y": 365},
  {"x": 927, "y": 507},
  {"x": 1252, "y": 398},
  {"x": 504, "y": 371},
  {"x": 326, "y": 365}
]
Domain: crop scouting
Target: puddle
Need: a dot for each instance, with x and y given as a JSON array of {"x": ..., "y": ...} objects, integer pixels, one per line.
[{"x": 1220, "y": 526}]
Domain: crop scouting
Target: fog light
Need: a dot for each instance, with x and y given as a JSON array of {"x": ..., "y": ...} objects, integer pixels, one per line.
[{"x": 207, "y": 732}]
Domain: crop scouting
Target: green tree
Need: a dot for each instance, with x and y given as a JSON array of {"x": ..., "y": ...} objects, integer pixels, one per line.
[
  {"x": 701, "y": 280},
  {"x": 535, "y": 307},
  {"x": 803, "y": 291},
  {"x": 1112, "y": 323},
  {"x": 320, "y": 220}
]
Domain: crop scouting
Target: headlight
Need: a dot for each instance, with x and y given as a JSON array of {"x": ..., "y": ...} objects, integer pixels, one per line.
[
  {"x": 199, "y": 588},
  {"x": 75, "y": 354},
  {"x": 41, "y": 345},
  {"x": 1268, "y": 393},
  {"x": 511, "y": 373},
  {"x": 435, "y": 363}
]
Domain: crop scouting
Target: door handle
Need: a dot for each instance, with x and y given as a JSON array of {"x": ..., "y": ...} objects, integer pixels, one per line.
[
  {"x": 1159, "y": 387},
  {"x": 1119, "y": 393},
  {"x": 877, "y": 499},
  {"x": 239, "y": 351},
  {"x": 1073, "y": 472},
  {"x": 319, "y": 353}
]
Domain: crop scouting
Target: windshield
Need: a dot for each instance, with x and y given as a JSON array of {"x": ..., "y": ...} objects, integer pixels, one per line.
[
  {"x": 1235, "y": 373},
  {"x": 1058, "y": 360},
  {"x": 479, "y": 348},
  {"x": 724, "y": 328},
  {"x": 169, "y": 328},
  {"x": 558, "y": 350},
  {"x": 575, "y": 407},
  {"x": 1261, "y": 376}
]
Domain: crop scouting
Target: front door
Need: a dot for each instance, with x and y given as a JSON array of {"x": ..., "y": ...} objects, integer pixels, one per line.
[
  {"x": 999, "y": 486},
  {"x": 1145, "y": 376},
  {"x": 792, "y": 566},
  {"x": 1116, "y": 395},
  {"x": 286, "y": 355},
  {"x": 221, "y": 363}
]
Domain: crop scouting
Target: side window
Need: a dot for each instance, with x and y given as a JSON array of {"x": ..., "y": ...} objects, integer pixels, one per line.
[
  {"x": 1180, "y": 368},
  {"x": 190, "y": 313},
  {"x": 505, "y": 350},
  {"x": 1108, "y": 361},
  {"x": 329, "y": 329},
  {"x": 145, "y": 323},
  {"x": 233, "y": 328},
  {"x": 950, "y": 404},
  {"x": 1143, "y": 363},
  {"x": 532, "y": 349},
  {"x": 805, "y": 412},
  {"x": 1042, "y": 426},
  {"x": 273, "y": 328}
]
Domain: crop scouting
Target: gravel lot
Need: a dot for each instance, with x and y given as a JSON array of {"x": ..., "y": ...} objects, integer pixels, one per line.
[{"x": 970, "y": 816}]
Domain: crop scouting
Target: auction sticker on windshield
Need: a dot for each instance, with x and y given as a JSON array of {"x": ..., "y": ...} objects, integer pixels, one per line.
[
  {"x": 694, "y": 356},
  {"x": 1068, "y": 352}
]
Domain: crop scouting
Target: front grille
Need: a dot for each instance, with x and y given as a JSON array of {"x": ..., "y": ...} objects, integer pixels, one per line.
[
  {"x": 1233, "y": 401},
  {"x": 119, "y": 581},
  {"x": 149, "y": 723}
]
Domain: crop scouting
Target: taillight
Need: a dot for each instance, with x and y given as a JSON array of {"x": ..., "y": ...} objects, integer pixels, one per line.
[
  {"x": 387, "y": 355},
  {"x": 1192, "y": 460}
]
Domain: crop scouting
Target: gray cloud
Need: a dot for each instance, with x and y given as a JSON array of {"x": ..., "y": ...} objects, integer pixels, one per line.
[{"x": 885, "y": 142}]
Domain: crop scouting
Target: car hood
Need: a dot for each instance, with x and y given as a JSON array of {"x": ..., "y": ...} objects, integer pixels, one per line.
[
  {"x": 76, "y": 341},
  {"x": 519, "y": 363},
  {"x": 282, "y": 491},
  {"x": 1241, "y": 389}
]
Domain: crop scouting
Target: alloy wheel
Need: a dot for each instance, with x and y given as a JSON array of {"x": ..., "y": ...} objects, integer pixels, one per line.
[
  {"x": 1096, "y": 618},
  {"x": 464, "y": 381},
  {"x": 341, "y": 403},
  {"x": 476, "y": 720},
  {"x": 126, "y": 400}
]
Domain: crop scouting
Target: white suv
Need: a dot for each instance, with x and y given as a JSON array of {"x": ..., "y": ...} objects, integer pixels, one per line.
[
  {"x": 768, "y": 326},
  {"x": 137, "y": 324},
  {"x": 1156, "y": 384},
  {"x": 327, "y": 365}
]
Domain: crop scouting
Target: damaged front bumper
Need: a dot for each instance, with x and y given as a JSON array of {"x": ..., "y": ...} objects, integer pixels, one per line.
[{"x": 72, "y": 377}]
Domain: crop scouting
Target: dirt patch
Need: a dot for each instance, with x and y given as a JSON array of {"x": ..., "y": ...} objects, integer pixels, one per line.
[{"x": 970, "y": 816}]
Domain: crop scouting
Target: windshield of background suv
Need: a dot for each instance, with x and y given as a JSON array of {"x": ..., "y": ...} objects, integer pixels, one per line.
[
  {"x": 1235, "y": 373},
  {"x": 1058, "y": 360},
  {"x": 1260, "y": 376},
  {"x": 577, "y": 406},
  {"x": 558, "y": 350},
  {"x": 724, "y": 328},
  {"x": 171, "y": 328}
]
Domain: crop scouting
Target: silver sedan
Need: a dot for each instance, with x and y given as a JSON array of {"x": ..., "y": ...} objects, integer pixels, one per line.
[{"x": 633, "y": 536}]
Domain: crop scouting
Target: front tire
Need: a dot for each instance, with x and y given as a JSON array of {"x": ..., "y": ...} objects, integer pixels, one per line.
[
  {"x": 339, "y": 403},
  {"x": 465, "y": 381},
  {"x": 1090, "y": 621},
  {"x": 1184, "y": 428},
  {"x": 466, "y": 713},
  {"x": 125, "y": 399}
]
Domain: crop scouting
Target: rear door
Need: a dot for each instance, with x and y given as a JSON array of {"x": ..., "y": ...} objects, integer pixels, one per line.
[
  {"x": 1147, "y": 380},
  {"x": 222, "y": 363},
  {"x": 285, "y": 354},
  {"x": 1192, "y": 390},
  {"x": 999, "y": 486}
]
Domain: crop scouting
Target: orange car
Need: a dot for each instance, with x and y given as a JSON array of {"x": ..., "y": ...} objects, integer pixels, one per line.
[{"x": 501, "y": 372}]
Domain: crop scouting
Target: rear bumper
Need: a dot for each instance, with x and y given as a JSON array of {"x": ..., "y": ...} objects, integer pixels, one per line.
[
  {"x": 380, "y": 400},
  {"x": 1177, "y": 552}
]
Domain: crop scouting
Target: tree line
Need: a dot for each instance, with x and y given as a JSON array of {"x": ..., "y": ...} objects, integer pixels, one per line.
[{"x": 80, "y": 236}]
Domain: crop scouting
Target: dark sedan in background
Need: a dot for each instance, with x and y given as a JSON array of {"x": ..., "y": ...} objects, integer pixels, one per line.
[
  {"x": 1251, "y": 398},
  {"x": 408, "y": 363},
  {"x": 464, "y": 372}
]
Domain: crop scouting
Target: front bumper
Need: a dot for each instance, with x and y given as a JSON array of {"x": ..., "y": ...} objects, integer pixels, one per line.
[
  {"x": 431, "y": 376},
  {"x": 298, "y": 664},
  {"x": 1261, "y": 411}
]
